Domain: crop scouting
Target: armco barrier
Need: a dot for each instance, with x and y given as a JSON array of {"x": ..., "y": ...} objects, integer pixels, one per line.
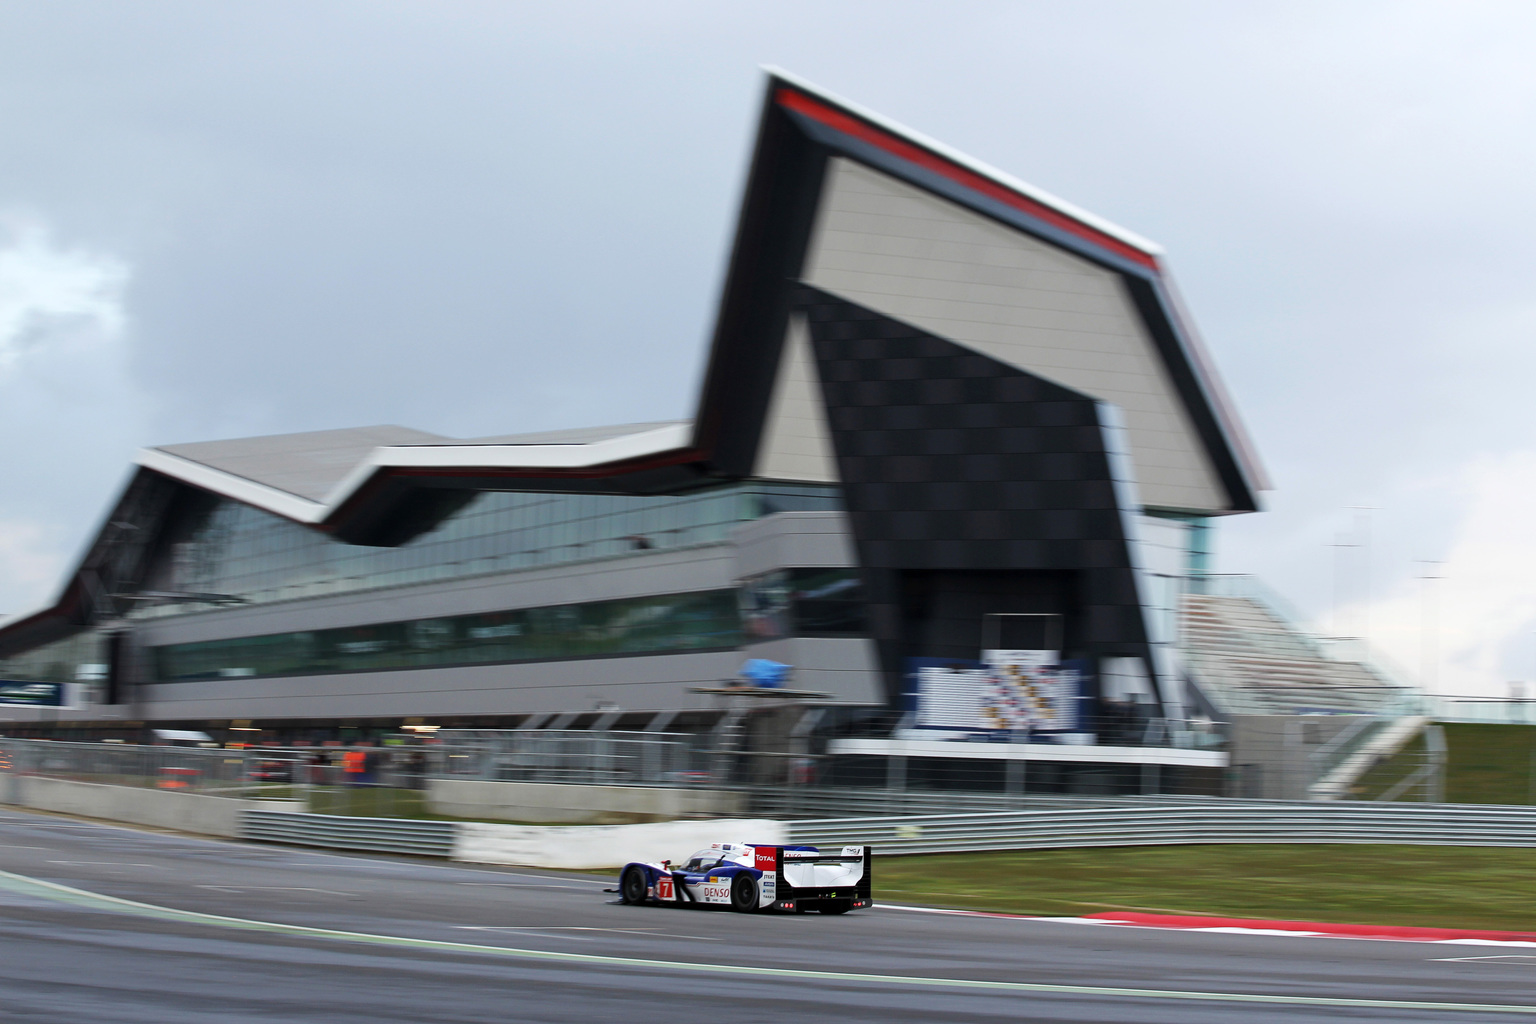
[
  {"x": 1215, "y": 822},
  {"x": 339, "y": 832},
  {"x": 1211, "y": 822}
]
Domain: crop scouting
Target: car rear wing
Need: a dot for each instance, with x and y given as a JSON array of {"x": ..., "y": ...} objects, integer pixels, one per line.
[{"x": 792, "y": 876}]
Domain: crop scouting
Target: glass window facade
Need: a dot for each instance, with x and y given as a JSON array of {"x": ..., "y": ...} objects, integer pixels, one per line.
[
  {"x": 79, "y": 658},
  {"x": 235, "y": 550},
  {"x": 803, "y": 602},
  {"x": 649, "y": 625}
]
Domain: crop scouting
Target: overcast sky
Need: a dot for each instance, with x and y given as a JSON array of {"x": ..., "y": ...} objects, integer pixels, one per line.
[{"x": 226, "y": 219}]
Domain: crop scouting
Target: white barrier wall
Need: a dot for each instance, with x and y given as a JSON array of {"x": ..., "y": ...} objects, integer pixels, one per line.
[
  {"x": 605, "y": 846},
  {"x": 185, "y": 812},
  {"x": 583, "y": 805}
]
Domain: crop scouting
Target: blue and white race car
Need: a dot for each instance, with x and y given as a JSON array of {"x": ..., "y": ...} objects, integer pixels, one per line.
[{"x": 750, "y": 877}]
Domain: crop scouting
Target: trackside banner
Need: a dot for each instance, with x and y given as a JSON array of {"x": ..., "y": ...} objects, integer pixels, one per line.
[{"x": 43, "y": 695}]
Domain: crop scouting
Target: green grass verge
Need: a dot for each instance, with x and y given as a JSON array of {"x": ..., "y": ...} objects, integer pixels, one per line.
[
  {"x": 1431, "y": 886},
  {"x": 1490, "y": 764},
  {"x": 1485, "y": 764}
]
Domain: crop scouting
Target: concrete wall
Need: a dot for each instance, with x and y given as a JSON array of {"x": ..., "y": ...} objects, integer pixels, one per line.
[
  {"x": 554, "y": 847},
  {"x": 1270, "y": 752},
  {"x": 185, "y": 812},
  {"x": 553, "y": 802}
]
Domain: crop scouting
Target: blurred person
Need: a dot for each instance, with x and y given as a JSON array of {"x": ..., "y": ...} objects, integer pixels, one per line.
[{"x": 354, "y": 766}]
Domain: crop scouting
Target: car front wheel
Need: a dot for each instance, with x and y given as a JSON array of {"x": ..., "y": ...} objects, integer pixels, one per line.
[
  {"x": 632, "y": 886},
  {"x": 743, "y": 894}
]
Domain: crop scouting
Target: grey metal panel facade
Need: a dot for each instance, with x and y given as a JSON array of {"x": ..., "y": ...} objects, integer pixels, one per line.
[
  {"x": 793, "y": 539},
  {"x": 637, "y": 683},
  {"x": 846, "y": 667},
  {"x": 843, "y": 667}
]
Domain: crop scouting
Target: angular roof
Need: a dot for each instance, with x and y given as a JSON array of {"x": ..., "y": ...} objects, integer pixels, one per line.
[
  {"x": 305, "y": 465},
  {"x": 308, "y": 477}
]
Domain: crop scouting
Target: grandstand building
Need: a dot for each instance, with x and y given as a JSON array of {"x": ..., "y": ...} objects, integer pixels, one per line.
[{"x": 938, "y": 401}]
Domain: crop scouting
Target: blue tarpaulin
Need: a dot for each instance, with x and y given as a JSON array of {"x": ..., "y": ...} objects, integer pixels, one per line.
[{"x": 767, "y": 674}]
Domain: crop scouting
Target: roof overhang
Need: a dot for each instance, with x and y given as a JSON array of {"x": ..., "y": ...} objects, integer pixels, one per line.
[{"x": 800, "y": 128}]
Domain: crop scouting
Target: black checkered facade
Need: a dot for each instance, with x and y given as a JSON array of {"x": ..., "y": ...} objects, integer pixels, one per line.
[{"x": 972, "y": 487}]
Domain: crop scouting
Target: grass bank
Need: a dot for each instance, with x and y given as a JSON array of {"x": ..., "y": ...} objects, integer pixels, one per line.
[
  {"x": 1485, "y": 764},
  {"x": 1433, "y": 886}
]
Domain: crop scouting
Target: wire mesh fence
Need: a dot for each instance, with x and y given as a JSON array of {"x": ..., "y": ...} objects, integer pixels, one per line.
[
  {"x": 181, "y": 769},
  {"x": 573, "y": 756},
  {"x": 345, "y": 780},
  {"x": 395, "y": 780}
]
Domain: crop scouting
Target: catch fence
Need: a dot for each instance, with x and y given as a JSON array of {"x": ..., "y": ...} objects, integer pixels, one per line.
[{"x": 376, "y": 780}]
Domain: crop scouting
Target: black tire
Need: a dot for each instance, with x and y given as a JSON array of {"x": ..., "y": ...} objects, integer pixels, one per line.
[
  {"x": 840, "y": 907},
  {"x": 743, "y": 893},
  {"x": 632, "y": 886}
]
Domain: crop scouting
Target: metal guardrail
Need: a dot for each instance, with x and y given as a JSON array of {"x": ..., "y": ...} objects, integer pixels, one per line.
[
  {"x": 794, "y": 802},
  {"x": 1216, "y": 821},
  {"x": 339, "y": 832},
  {"x": 1418, "y": 825}
]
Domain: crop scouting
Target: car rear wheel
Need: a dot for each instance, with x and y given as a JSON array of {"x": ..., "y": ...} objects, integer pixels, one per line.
[
  {"x": 743, "y": 893},
  {"x": 840, "y": 907},
  {"x": 632, "y": 886}
]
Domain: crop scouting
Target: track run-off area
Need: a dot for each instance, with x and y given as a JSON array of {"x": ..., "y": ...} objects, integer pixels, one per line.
[{"x": 103, "y": 923}]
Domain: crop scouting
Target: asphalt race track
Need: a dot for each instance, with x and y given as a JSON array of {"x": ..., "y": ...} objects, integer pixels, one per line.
[{"x": 111, "y": 924}]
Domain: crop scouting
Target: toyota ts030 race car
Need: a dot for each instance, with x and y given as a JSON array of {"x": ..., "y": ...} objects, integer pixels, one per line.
[{"x": 749, "y": 877}]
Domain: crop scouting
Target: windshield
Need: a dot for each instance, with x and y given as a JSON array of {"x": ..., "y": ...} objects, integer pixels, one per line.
[{"x": 703, "y": 860}]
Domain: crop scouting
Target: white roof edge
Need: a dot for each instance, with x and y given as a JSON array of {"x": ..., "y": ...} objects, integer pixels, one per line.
[
  {"x": 447, "y": 456},
  {"x": 971, "y": 163},
  {"x": 513, "y": 456},
  {"x": 242, "y": 489}
]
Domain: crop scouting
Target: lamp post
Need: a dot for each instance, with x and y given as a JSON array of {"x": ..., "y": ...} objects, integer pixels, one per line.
[{"x": 1429, "y": 625}]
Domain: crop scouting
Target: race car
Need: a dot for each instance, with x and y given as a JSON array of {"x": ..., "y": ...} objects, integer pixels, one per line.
[{"x": 750, "y": 877}]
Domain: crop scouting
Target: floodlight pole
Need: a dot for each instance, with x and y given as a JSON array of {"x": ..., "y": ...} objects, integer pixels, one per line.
[{"x": 1429, "y": 627}]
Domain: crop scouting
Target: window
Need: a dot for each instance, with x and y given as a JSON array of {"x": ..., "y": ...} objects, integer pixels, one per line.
[
  {"x": 707, "y": 620},
  {"x": 803, "y": 602}
]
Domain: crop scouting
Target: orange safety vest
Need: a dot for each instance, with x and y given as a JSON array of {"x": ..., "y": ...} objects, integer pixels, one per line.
[{"x": 354, "y": 762}]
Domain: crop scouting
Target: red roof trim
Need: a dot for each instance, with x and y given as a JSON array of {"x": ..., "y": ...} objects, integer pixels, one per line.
[{"x": 899, "y": 147}]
